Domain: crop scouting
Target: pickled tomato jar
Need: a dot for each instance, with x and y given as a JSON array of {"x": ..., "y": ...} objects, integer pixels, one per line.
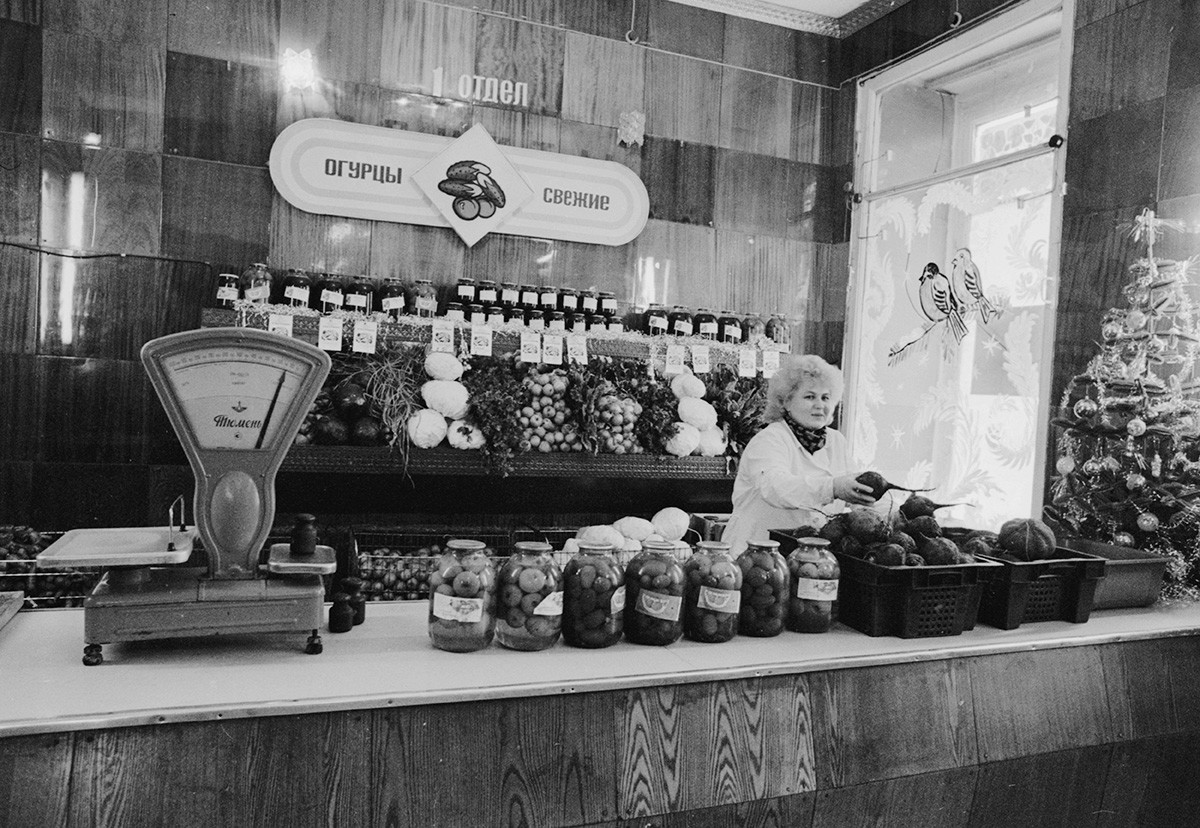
[
  {"x": 654, "y": 320},
  {"x": 255, "y": 283},
  {"x": 329, "y": 295},
  {"x": 529, "y": 588},
  {"x": 392, "y": 300},
  {"x": 729, "y": 327},
  {"x": 425, "y": 299},
  {"x": 766, "y": 587},
  {"x": 705, "y": 323},
  {"x": 679, "y": 321},
  {"x": 815, "y": 572},
  {"x": 754, "y": 328},
  {"x": 655, "y": 583},
  {"x": 296, "y": 288},
  {"x": 360, "y": 295},
  {"x": 593, "y": 597},
  {"x": 713, "y": 594},
  {"x": 779, "y": 331},
  {"x": 462, "y": 598},
  {"x": 227, "y": 290}
]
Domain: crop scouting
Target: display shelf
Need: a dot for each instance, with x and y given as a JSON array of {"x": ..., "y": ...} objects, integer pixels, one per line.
[{"x": 447, "y": 461}]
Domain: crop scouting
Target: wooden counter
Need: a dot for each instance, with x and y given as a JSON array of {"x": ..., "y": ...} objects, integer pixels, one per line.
[{"x": 1052, "y": 723}]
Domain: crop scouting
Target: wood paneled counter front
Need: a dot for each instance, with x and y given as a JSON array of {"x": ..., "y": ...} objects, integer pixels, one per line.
[{"x": 1049, "y": 724}]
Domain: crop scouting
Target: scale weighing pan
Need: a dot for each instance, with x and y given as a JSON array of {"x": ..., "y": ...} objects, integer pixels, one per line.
[{"x": 147, "y": 546}]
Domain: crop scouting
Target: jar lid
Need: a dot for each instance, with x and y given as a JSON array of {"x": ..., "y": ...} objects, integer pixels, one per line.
[
  {"x": 703, "y": 310},
  {"x": 475, "y": 306},
  {"x": 391, "y": 279},
  {"x": 595, "y": 547},
  {"x": 713, "y": 546},
  {"x": 568, "y": 291},
  {"x": 508, "y": 284},
  {"x": 726, "y": 313},
  {"x": 462, "y": 279},
  {"x": 263, "y": 265},
  {"x": 533, "y": 546},
  {"x": 465, "y": 545},
  {"x": 487, "y": 281},
  {"x": 763, "y": 544},
  {"x": 424, "y": 281},
  {"x": 663, "y": 546},
  {"x": 607, "y": 294},
  {"x": 817, "y": 543}
]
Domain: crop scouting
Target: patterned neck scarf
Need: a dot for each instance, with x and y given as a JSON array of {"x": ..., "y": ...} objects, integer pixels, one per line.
[{"x": 812, "y": 439}]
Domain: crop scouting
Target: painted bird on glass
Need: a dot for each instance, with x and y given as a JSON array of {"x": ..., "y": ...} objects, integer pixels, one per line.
[
  {"x": 967, "y": 286},
  {"x": 938, "y": 302}
]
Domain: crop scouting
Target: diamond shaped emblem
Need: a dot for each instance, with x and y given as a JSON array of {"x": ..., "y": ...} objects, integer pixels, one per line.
[{"x": 473, "y": 185}]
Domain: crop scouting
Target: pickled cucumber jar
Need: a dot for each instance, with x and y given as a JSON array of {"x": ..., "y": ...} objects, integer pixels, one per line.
[
  {"x": 425, "y": 298},
  {"x": 255, "y": 283},
  {"x": 754, "y": 328},
  {"x": 655, "y": 583},
  {"x": 360, "y": 295},
  {"x": 462, "y": 598},
  {"x": 766, "y": 587},
  {"x": 391, "y": 297},
  {"x": 296, "y": 288},
  {"x": 593, "y": 597},
  {"x": 530, "y": 598},
  {"x": 815, "y": 572},
  {"x": 779, "y": 331},
  {"x": 329, "y": 295},
  {"x": 713, "y": 594}
]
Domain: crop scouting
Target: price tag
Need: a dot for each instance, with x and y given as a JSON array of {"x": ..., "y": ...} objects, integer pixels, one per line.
[
  {"x": 329, "y": 333},
  {"x": 577, "y": 349},
  {"x": 531, "y": 347},
  {"x": 747, "y": 362},
  {"x": 280, "y": 323},
  {"x": 700, "y": 361},
  {"x": 676, "y": 354},
  {"x": 443, "y": 336},
  {"x": 770, "y": 363},
  {"x": 552, "y": 350},
  {"x": 366, "y": 333},
  {"x": 481, "y": 340}
]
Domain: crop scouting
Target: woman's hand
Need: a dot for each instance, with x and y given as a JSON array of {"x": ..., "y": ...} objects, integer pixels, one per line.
[{"x": 847, "y": 488}]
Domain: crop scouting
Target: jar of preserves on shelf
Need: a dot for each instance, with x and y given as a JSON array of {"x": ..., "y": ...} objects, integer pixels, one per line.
[
  {"x": 529, "y": 297},
  {"x": 255, "y": 283},
  {"x": 392, "y": 300},
  {"x": 589, "y": 301},
  {"x": 227, "y": 290},
  {"x": 465, "y": 290},
  {"x": 535, "y": 319},
  {"x": 530, "y": 598},
  {"x": 425, "y": 300},
  {"x": 360, "y": 295},
  {"x": 495, "y": 316},
  {"x": 330, "y": 293},
  {"x": 779, "y": 331},
  {"x": 713, "y": 594},
  {"x": 608, "y": 303},
  {"x": 510, "y": 295},
  {"x": 462, "y": 598},
  {"x": 476, "y": 314},
  {"x": 614, "y": 324},
  {"x": 568, "y": 300},
  {"x": 297, "y": 286},
  {"x": 547, "y": 298},
  {"x": 766, "y": 587},
  {"x": 593, "y": 597},
  {"x": 679, "y": 321},
  {"x": 654, "y": 319},
  {"x": 587, "y": 321},
  {"x": 556, "y": 321},
  {"x": 455, "y": 312},
  {"x": 729, "y": 327},
  {"x": 815, "y": 572},
  {"x": 754, "y": 328},
  {"x": 705, "y": 323},
  {"x": 486, "y": 293},
  {"x": 655, "y": 583}
]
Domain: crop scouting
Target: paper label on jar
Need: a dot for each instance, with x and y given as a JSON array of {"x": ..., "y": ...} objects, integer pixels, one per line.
[
  {"x": 487, "y": 295},
  {"x": 577, "y": 349},
  {"x": 391, "y": 303},
  {"x": 700, "y": 360},
  {"x": 531, "y": 347},
  {"x": 815, "y": 589},
  {"x": 280, "y": 323},
  {"x": 227, "y": 293},
  {"x": 481, "y": 340},
  {"x": 258, "y": 294},
  {"x": 510, "y": 296},
  {"x": 366, "y": 334},
  {"x": 426, "y": 305},
  {"x": 608, "y": 305},
  {"x": 329, "y": 333},
  {"x": 550, "y": 299},
  {"x": 297, "y": 292},
  {"x": 733, "y": 333},
  {"x": 770, "y": 363},
  {"x": 466, "y": 292},
  {"x": 617, "y": 604},
  {"x": 708, "y": 329},
  {"x": 658, "y": 605},
  {"x": 443, "y": 337},
  {"x": 557, "y": 325},
  {"x": 683, "y": 327},
  {"x": 453, "y": 608},
  {"x": 550, "y": 605},
  {"x": 331, "y": 297},
  {"x": 552, "y": 350},
  {"x": 747, "y": 362},
  {"x": 455, "y": 315},
  {"x": 589, "y": 304},
  {"x": 529, "y": 298},
  {"x": 676, "y": 354},
  {"x": 356, "y": 300},
  {"x": 719, "y": 600},
  {"x": 658, "y": 325}
]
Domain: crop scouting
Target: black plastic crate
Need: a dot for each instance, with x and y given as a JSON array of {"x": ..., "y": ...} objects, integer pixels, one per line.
[
  {"x": 1059, "y": 588},
  {"x": 1132, "y": 577}
]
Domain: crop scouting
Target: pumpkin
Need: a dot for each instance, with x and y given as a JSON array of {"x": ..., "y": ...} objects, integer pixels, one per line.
[{"x": 1027, "y": 539}]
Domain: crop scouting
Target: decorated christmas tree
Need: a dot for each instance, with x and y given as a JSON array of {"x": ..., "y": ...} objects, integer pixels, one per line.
[{"x": 1128, "y": 447}]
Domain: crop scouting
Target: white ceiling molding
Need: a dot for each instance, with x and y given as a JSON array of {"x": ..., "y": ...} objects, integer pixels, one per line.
[{"x": 791, "y": 17}]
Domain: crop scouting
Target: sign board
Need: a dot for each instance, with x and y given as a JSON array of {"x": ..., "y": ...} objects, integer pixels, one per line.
[{"x": 469, "y": 183}]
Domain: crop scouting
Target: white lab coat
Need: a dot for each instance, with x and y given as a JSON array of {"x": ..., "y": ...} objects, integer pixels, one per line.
[{"x": 776, "y": 476}]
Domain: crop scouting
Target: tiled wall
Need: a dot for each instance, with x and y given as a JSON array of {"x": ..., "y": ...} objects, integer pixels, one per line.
[{"x": 748, "y": 144}]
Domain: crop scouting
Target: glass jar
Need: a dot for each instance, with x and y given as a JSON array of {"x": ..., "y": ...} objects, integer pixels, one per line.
[
  {"x": 779, "y": 331},
  {"x": 455, "y": 312},
  {"x": 729, "y": 327},
  {"x": 510, "y": 295},
  {"x": 815, "y": 574},
  {"x": 547, "y": 298},
  {"x": 766, "y": 587},
  {"x": 465, "y": 291},
  {"x": 557, "y": 321},
  {"x": 705, "y": 323},
  {"x": 297, "y": 285},
  {"x": 608, "y": 303},
  {"x": 391, "y": 297},
  {"x": 614, "y": 324},
  {"x": 754, "y": 328},
  {"x": 462, "y": 598},
  {"x": 593, "y": 597},
  {"x": 227, "y": 290},
  {"x": 529, "y": 297},
  {"x": 713, "y": 594},
  {"x": 360, "y": 295},
  {"x": 530, "y": 606},
  {"x": 495, "y": 316},
  {"x": 476, "y": 315},
  {"x": 330, "y": 293},
  {"x": 425, "y": 298},
  {"x": 535, "y": 319},
  {"x": 255, "y": 283},
  {"x": 589, "y": 301},
  {"x": 679, "y": 321},
  {"x": 486, "y": 293},
  {"x": 655, "y": 583},
  {"x": 568, "y": 300},
  {"x": 654, "y": 319},
  {"x": 587, "y": 321}
]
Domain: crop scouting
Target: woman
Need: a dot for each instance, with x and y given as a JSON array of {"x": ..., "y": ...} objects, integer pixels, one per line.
[{"x": 796, "y": 463}]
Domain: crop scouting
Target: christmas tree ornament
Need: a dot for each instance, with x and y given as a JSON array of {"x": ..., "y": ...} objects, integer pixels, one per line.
[
  {"x": 1085, "y": 408},
  {"x": 1092, "y": 466},
  {"x": 1134, "y": 481},
  {"x": 1065, "y": 464},
  {"x": 1156, "y": 466},
  {"x": 1147, "y": 522},
  {"x": 1110, "y": 331},
  {"x": 1136, "y": 427},
  {"x": 1156, "y": 345},
  {"x": 1122, "y": 539},
  {"x": 1135, "y": 320},
  {"x": 1111, "y": 464}
]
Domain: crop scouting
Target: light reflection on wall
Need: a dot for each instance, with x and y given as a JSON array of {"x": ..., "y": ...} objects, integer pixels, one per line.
[{"x": 58, "y": 310}]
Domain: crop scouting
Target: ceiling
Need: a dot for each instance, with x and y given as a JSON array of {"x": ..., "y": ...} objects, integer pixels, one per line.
[{"x": 831, "y": 17}]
